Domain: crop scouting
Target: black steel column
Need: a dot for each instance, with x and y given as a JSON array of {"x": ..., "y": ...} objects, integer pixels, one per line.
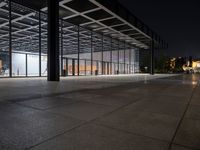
[
  {"x": 78, "y": 31},
  {"x": 91, "y": 52},
  {"x": 97, "y": 65},
  {"x": 66, "y": 67},
  {"x": 111, "y": 57},
  {"x": 73, "y": 67},
  {"x": 10, "y": 38},
  {"x": 130, "y": 60},
  {"x": 152, "y": 57},
  {"x": 40, "y": 46},
  {"x": 85, "y": 67},
  {"x": 53, "y": 40},
  {"x": 102, "y": 68},
  {"x": 26, "y": 65},
  {"x": 108, "y": 68},
  {"x": 61, "y": 38},
  {"x": 124, "y": 58},
  {"x": 118, "y": 59}
]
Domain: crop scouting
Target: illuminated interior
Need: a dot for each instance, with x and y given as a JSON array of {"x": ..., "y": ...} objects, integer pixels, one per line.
[{"x": 93, "y": 40}]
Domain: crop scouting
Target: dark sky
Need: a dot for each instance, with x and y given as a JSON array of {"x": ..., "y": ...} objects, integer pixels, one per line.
[{"x": 176, "y": 21}]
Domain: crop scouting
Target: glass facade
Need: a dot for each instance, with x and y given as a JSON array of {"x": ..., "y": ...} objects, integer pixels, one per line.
[
  {"x": 4, "y": 40},
  {"x": 23, "y": 47}
]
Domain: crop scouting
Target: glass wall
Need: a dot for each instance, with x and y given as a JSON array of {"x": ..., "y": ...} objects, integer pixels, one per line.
[
  {"x": 115, "y": 56},
  {"x": 136, "y": 61},
  {"x": 82, "y": 51},
  {"x": 127, "y": 59},
  {"x": 121, "y": 57},
  {"x": 85, "y": 52},
  {"x": 33, "y": 65},
  {"x": 43, "y": 45},
  {"x": 71, "y": 45},
  {"x": 4, "y": 39},
  {"x": 98, "y": 52},
  {"x": 25, "y": 41},
  {"x": 106, "y": 55},
  {"x": 19, "y": 64}
]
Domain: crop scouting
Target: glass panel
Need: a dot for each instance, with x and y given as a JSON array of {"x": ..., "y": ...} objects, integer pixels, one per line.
[
  {"x": 70, "y": 45},
  {"x": 25, "y": 39},
  {"x": 121, "y": 57},
  {"x": 82, "y": 67},
  {"x": 97, "y": 52},
  {"x": 69, "y": 66},
  {"x": 88, "y": 67},
  {"x": 18, "y": 64},
  {"x": 4, "y": 64},
  {"x": 85, "y": 50},
  {"x": 64, "y": 69},
  {"x": 4, "y": 39},
  {"x": 136, "y": 61},
  {"x": 43, "y": 44},
  {"x": 33, "y": 65},
  {"x": 115, "y": 48},
  {"x": 127, "y": 56},
  {"x": 76, "y": 67},
  {"x": 44, "y": 65}
]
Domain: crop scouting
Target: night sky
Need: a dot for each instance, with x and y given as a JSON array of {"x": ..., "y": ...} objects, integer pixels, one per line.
[{"x": 176, "y": 21}]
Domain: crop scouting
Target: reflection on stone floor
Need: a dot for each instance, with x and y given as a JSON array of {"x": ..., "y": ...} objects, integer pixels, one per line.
[{"x": 125, "y": 112}]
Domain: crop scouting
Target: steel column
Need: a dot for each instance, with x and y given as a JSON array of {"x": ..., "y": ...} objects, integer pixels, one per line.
[
  {"x": 10, "y": 37},
  {"x": 152, "y": 57},
  {"x": 102, "y": 68},
  {"x": 53, "y": 40},
  {"x": 111, "y": 57},
  {"x": 73, "y": 67},
  {"x": 61, "y": 51},
  {"x": 118, "y": 59},
  {"x": 124, "y": 58},
  {"x": 66, "y": 63},
  {"x": 26, "y": 65},
  {"x": 130, "y": 60},
  {"x": 40, "y": 46},
  {"x": 78, "y": 50},
  {"x": 85, "y": 67},
  {"x": 91, "y": 52}
]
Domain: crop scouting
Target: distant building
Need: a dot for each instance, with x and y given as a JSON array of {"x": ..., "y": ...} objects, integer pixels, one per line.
[
  {"x": 193, "y": 67},
  {"x": 172, "y": 63},
  {"x": 177, "y": 63}
]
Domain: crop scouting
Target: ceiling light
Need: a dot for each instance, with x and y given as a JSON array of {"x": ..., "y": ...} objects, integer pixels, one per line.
[
  {"x": 34, "y": 14},
  {"x": 94, "y": 26}
]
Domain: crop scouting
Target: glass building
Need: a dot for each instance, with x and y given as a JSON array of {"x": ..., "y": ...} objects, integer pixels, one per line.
[{"x": 96, "y": 37}]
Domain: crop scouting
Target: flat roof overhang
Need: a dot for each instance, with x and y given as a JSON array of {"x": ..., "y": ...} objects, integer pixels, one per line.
[{"x": 94, "y": 15}]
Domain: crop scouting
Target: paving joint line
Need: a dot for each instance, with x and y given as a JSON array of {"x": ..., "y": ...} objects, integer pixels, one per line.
[
  {"x": 85, "y": 123},
  {"x": 182, "y": 117},
  {"x": 186, "y": 146},
  {"x": 132, "y": 133}
]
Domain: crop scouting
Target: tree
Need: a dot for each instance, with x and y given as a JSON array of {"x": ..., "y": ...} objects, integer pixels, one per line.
[{"x": 162, "y": 64}]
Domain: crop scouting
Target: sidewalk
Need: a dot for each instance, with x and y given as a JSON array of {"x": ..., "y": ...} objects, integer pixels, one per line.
[{"x": 107, "y": 113}]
